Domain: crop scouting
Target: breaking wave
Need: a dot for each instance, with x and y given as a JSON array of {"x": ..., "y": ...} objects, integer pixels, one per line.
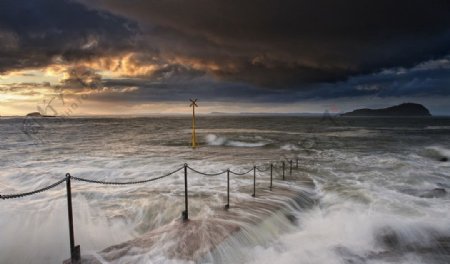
[
  {"x": 289, "y": 147},
  {"x": 214, "y": 140},
  {"x": 437, "y": 153}
]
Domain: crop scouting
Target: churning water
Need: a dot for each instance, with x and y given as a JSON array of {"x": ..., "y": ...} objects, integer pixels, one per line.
[{"x": 380, "y": 185}]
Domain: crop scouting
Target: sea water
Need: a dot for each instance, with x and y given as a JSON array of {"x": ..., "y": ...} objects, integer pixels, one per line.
[{"x": 381, "y": 184}]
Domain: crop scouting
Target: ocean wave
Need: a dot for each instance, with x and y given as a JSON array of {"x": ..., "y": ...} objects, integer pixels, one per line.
[
  {"x": 349, "y": 233},
  {"x": 289, "y": 147},
  {"x": 214, "y": 140},
  {"x": 438, "y": 127},
  {"x": 437, "y": 153}
]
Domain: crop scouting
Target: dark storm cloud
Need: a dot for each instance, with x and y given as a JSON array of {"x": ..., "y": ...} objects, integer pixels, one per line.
[
  {"x": 306, "y": 49},
  {"x": 36, "y": 33},
  {"x": 428, "y": 78},
  {"x": 204, "y": 88},
  {"x": 431, "y": 78},
  {"x": 281, "y": 43}
]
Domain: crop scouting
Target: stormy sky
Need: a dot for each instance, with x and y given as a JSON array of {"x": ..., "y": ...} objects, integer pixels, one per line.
[{"x": 151, "y": 56}]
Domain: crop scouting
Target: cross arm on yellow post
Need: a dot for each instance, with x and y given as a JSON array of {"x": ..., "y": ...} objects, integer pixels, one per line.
[{"x": 194, "y": 137}]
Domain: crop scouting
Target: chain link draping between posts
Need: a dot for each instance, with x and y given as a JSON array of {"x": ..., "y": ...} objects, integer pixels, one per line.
[
  {"x": 205, "y": 173},
  {"x": 241, "y": 173},
  {"x": 128, "y": 182},
  {"x": 263, "y": 170},
  {"x": 19, "y": 195}
]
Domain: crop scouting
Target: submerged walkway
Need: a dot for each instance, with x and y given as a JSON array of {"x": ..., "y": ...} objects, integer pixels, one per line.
[{"x": 206, "y": 240}]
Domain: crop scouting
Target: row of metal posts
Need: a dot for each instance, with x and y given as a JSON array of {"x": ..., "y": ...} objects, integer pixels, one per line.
[
  {"x": 75, "y": 256},
  {"x": 254, "y": 179},
  {"x": 185, "y": 214}
]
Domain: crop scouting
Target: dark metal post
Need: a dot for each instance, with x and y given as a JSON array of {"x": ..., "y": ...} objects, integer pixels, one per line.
[
  {"x": 283, "y": 169},
  {"x": 290, "y": 168},
  {"x": 74, "y": 250},
  {"x": 227, "y": 206},
  {"x": 254, "y": 181},
  {"x": 185, "y": 213},
  {"x": 271, "y": 170},
  {"x": 297, "y": 164}
]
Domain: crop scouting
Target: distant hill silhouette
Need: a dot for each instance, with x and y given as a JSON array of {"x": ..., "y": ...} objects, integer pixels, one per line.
[
  {"x": 405, "y": 109},
  {"x": 37, "y": 114},
  {"x": 34, "y": 114}
]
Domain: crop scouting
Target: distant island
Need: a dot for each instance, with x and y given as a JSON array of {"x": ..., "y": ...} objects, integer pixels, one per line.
[
  {"x": 405, "y": 109},
  {"x": 37, "y": 114}
]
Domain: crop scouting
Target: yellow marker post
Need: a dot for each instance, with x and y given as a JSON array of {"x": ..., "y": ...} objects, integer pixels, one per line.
[{"x": 194, "y": 137}]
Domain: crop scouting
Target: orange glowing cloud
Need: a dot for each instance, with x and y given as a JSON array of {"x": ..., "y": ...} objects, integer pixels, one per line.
[{"x": 128, "y": 65}]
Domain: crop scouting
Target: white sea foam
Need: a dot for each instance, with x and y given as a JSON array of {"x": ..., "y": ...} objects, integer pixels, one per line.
[
  {"x": 351, "y": 234},
  {"x": 289, "y": 147},
  {"x": 214, "y": 140},
  {"x": 436, "y": 152}
]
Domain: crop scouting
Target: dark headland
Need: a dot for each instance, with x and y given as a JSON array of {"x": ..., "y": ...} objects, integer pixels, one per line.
[
  {"x": 405, "y": 109},
  {"x": 37, "y": 114}
]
